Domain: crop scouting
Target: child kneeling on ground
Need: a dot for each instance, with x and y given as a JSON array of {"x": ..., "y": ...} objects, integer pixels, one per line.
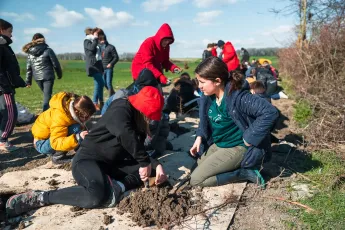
[
  {"x": 111, "y": 159},
  {"x": 234, "y": 129},
  {"x": 60, "y": 128}
]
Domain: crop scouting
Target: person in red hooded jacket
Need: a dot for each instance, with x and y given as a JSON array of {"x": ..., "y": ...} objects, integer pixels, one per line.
[
  {"x": 229, "y": 55},
  {"x": 153, "y": 54},
  {"x": 214, "y": 50}
]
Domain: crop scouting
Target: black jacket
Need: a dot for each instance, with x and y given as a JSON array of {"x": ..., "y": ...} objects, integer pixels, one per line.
[
  {"x": 115, "y": 138},
  {"x": 265, "y": 75},
  {"x": 92, "y": 64},
  {"x": 109, "y": 56},
  {"x": 206, "y": 54},
  {"x": 9, "y": 67},
  {"x": 41, "y": 62}
]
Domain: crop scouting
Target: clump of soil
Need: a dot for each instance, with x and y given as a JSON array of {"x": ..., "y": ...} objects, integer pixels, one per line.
[
  {"x": 155, "y": 206},
  {"x": 67, "y": 166},
  {"x": 55, "y": 175},
  {"x": 107, "y": 219},
  {"x": 53, "y": 182},
  {"x": 78, "y": 211}
]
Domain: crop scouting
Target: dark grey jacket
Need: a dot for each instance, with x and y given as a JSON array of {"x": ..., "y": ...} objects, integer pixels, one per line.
[
  {"x": 92, "y": 64},
  {"x": 109, "y": 56},
  {"x": 41, "y": 62}
]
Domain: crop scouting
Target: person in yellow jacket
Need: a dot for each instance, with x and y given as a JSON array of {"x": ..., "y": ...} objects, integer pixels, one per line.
[{"x": 61, "y": 128}]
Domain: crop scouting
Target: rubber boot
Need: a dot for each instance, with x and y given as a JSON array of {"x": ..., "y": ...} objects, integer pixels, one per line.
[
  {"x": 60, "y": 158},
  {"x": 241, "y": 175}
]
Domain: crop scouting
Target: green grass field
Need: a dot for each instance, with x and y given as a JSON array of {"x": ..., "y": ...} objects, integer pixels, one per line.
[{"x": 75, "y": 80}]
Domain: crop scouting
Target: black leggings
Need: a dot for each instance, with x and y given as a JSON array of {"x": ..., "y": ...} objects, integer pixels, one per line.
[{"x": 91, "y": 177}]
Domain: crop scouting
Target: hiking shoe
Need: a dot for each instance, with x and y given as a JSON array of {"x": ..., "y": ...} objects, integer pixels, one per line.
[
  {"x": 114, "y": 193},
  {"x": 239, "y": 175},
  {"x": 7, "y": 146},
  {"x": 59, "y": 158},
  {"x": 24, "y": 202}
]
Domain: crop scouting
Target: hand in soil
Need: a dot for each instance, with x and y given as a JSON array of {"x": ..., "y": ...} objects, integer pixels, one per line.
[
  {"x": 161, "y": 177},
  {"x": 145, "y": 172}
]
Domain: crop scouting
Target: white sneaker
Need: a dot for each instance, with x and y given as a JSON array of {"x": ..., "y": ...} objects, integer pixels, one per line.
[{"x": 283, "y": 95}]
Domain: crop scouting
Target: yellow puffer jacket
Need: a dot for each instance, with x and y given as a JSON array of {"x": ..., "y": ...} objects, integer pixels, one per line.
[{"x": 53, "y": 123}]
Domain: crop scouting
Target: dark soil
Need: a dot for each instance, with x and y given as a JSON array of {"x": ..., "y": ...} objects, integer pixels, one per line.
[
  {"x": 53, "y": 182},
  {"x": 155, "y": 206},
  {"x": 55, "y": 175},
  {"x": 67, "y": 166},
  {"x": 107, "y": 219},
  {"x": 78, "y": 211}
]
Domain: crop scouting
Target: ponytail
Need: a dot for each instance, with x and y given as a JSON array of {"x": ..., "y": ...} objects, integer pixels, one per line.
[{"x": 236, "y": 78}]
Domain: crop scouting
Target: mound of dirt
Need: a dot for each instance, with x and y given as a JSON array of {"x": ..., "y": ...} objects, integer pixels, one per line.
[{"x": 155, "y": 206}]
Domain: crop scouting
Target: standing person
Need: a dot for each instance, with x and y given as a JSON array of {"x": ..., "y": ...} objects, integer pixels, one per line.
[
  {"x": 94, "y": 66},
  {"x": 214, "y": 49},
  {"x": 41, "y": 63},
  {"x": 207, "y": 52},
  {"x": 153, "y": 54},
  {"x": 245, "y": 56},
  {"x": 229, "y": 55},
  {"x": 234, "y": 128},
  {"x": 61, "y": 128},
  {"x": 109, "y": 60},
  {"x": 9, "y": 80},
  {"x": 111, "y": 160}
]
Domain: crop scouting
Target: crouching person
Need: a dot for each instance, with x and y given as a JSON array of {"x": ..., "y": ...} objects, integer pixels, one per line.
[
  {"x": 234, "y": 129},
  {"x": 111, "y": 159},
  {"x": 60, "y": 128}
]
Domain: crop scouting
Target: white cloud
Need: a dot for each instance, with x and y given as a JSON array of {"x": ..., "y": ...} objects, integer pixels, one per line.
[
  {"x": 17, "y": 17},
  {"x": 141, "y": 23},
  {"x": 159, "y": 5},
  {"x": 209, "y": 3},
  {"x": 207, "y": 18},
  {"x": 278, "y": 30},
  {"x": 127, "y": 1},
  {"x": 32, "y": 31},
  {"x": 63, "y": 17},
  {"x": 107, "y": 18}
]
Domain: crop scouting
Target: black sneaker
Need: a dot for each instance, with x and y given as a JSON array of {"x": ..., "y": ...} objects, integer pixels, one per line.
[
  {"x": 24, "y": 202},
  {"x": 61, "y": 158}
]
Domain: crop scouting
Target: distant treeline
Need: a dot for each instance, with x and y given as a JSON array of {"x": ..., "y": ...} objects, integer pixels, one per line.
[
  {"x": 271, "y": 51},
  {"x": 130, "y": 56}
]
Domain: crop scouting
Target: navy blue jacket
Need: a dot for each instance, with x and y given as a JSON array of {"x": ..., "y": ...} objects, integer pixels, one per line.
[{"x": 253, "y": 115}]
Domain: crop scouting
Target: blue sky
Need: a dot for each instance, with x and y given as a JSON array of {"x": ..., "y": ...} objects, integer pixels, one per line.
[{"x": 246, "y": 23}]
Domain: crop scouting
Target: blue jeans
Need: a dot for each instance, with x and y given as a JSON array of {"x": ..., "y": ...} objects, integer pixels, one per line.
[
  {"x": 108, "y": 79},
  {"x": 47, "y": 88},
  {"x": 98, "y": 91},
  {"x": 44, "y": 147}
]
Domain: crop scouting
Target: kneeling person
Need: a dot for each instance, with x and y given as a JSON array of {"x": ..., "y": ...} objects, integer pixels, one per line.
[
  {"x": 111, "y": 160},
  {"x": 60, "y": 128}
]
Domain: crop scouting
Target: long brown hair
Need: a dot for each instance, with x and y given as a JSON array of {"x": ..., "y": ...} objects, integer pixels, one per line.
[
  {"x": 213, "y": 67},
  {"x": 142, "y": 122},
  {"x": 83, "y": 105}
]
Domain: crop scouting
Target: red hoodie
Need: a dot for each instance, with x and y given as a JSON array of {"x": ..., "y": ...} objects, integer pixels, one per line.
[
  {"x": 230, "y": 57},
  {"x": 214, "y": 51},
  {"x": 152, "y": 55}
]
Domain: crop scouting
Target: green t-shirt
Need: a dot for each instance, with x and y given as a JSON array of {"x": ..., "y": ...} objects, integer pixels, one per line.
[{"x": 225, "y": 132}]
